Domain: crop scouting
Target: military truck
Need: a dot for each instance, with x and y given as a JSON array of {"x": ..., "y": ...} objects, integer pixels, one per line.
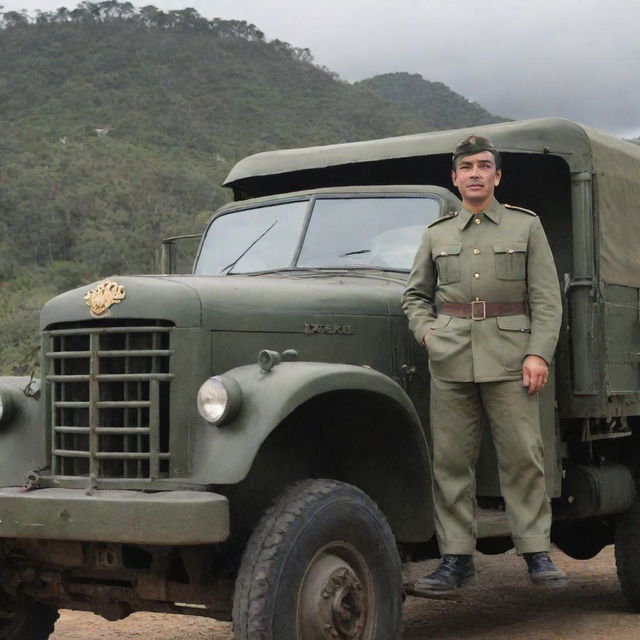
[{"x": 251, "y": 440}]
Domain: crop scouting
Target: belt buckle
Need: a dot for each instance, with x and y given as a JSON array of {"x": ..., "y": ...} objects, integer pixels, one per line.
[{"x": 482, "y": 313}]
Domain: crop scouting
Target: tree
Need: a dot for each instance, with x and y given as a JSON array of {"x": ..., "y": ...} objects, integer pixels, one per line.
[{"x": 15, "y": 18}]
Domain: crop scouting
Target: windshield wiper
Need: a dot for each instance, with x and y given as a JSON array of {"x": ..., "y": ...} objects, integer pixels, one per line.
[
  {"x": 354, "y": 253},
  {"x": 227, "y": 270},
  {"x": 295, "y": 270}
]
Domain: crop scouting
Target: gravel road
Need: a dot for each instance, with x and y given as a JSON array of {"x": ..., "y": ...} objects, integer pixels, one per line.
[{"x": 504, "y": 605}]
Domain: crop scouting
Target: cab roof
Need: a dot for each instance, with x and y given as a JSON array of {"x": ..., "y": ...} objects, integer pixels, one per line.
[{"x": 450, "y": 200}]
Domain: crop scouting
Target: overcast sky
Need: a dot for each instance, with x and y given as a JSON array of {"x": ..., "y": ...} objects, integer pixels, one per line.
[{"x": 578, "y": 59}]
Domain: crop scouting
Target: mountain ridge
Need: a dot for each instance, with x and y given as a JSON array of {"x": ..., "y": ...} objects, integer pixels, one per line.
[{"x": 435, "y": 104}]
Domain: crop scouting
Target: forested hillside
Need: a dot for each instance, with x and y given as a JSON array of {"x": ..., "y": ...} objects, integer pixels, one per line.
[
  {"x": 118, "y": 124},
  {"x": 433, "y": 104}
]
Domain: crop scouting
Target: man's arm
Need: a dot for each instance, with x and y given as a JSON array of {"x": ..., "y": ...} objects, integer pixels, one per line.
[
  {"x": 545, "y": 306},
  {"x": 418, "y": 300}
]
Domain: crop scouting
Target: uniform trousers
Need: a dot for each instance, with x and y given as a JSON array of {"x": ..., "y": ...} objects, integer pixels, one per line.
[{"x": 456, "y": 410}]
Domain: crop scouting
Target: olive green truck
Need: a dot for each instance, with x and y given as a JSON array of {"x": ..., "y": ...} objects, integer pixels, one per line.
[{"x": 251, "y": 441}]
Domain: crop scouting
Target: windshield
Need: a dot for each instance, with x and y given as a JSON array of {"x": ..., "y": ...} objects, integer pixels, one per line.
[
  {"x": 380, "y": 232},
  {"x": 253, "y": 240}
]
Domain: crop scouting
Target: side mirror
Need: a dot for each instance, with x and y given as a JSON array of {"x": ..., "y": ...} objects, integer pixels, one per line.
[{"x": 169, "y": 255}]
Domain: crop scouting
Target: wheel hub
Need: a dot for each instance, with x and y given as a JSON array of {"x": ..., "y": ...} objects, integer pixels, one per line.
[
  {"x": 332, "y": 601},
  {"x": 347, "y": 603}
]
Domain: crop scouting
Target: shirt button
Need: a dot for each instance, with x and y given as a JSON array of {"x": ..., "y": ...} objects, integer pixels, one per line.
[
  {"x": 476, "y": 252},
  {"x": 477, "y": 220},
  {"x": 476, "y": 275}
]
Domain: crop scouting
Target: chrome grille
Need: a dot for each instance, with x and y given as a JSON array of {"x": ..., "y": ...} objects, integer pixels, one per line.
[{"x": 110, "y": 393}]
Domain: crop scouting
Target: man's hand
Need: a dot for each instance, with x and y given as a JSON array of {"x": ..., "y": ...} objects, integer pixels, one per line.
[{"x": 535, "y": 372}]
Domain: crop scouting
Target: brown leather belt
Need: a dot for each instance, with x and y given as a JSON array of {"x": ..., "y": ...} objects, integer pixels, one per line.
[{"x": 479, "y": 309}]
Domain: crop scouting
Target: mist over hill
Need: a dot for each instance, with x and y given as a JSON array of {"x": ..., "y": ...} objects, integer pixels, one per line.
[{"x": 118, "y": 125}]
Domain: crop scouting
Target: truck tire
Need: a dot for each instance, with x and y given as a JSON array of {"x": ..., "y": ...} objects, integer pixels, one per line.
[
  {"x": 26, "y": 619},
  {"x": 322, "y": 563},
  {"x": 627, "y": 550}
]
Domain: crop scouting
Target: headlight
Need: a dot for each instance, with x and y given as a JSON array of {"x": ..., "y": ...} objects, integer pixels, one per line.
[
  {"x": 7, "y": 405},
  {"x": 219, "y": 399}
]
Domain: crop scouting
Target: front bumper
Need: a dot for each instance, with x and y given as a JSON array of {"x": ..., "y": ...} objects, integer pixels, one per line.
[{"x": 132, "y": 517}]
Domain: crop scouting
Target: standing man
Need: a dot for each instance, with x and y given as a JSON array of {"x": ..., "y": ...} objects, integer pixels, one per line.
[{"x": 483, "y": 299}]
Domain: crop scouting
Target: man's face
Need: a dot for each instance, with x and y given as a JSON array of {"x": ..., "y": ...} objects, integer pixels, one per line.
[{"x": 476, "y": 178}]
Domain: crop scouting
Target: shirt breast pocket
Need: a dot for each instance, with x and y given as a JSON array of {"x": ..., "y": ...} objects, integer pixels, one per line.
[
  {"x": 511, "y": 260},
  {"x": 447, "y": 261}
]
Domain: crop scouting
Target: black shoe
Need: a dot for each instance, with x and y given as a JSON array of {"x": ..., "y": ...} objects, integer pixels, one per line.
[
  {"x": 543, "y": 572},
  {"x": 453, "y": 572}
]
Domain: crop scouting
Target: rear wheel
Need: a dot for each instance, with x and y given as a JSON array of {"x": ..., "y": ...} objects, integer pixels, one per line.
[
  {"x": 627, "y": 541},
  {"x": 25, "y": 619},
  {"x": 321, "y": 565}
]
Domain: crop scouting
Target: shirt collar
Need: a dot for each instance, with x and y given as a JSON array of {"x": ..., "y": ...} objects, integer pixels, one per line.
[{"x": 493, "y": 212}]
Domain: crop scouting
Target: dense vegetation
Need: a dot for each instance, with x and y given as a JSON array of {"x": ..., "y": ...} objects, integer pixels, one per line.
[
  {"x": 118, "y": 124},
  {"x": 432, "y": 103}
]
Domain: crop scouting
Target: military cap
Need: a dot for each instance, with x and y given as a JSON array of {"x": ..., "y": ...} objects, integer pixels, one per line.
[{"x": 472, "y": 144}]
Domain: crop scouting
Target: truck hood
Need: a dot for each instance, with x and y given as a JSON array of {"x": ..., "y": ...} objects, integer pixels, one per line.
[
  {"x": 240, "y": 303},
  {"x": 145, "y": 297}
]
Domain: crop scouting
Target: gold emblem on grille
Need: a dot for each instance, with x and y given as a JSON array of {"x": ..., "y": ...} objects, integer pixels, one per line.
[{"x": 104, "y": 295}]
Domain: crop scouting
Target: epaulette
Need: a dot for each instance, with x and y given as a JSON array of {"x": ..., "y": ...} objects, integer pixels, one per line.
[
  {"x": 511, "y": 206},
  {"x": 439, "y": 220}
]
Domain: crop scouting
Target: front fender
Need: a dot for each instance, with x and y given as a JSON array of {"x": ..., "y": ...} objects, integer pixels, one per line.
[
  {"x": 23, "y": 437},
  {"x": 224, "y": 455}
]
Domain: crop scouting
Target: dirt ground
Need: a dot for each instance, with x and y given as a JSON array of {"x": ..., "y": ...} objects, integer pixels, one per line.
[{"x": 503, "y": 605}]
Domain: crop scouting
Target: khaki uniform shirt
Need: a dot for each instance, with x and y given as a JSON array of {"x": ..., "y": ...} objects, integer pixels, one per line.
[{"x": 499, "y": 255}]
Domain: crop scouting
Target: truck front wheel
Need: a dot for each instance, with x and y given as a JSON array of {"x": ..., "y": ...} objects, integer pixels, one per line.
[
  {"x": 25, "y": 619},
  {"x": 322, "y": 564}
]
